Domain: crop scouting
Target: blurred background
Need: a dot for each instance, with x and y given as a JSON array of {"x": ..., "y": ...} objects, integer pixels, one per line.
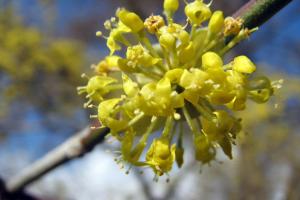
[{"x": 45, "y": 45}]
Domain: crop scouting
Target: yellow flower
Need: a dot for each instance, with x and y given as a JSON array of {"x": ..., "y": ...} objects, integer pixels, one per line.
[
  {"x": 109, "y": 64},
  {"x": 211, "y": 60},
  {"x": 243, "y": 64},
  {"x": 161, "y": 156},
  {"x": 260, "y": 89},
  {"x": 131, "y": 20},
  {"x": 116, "y": 36},
  {"x": 197, "y": 12},
  {"x": 97, "y": 87},
  {"x": 204, "y": 150},
  {"x": 179, "y": 79},
  {"x": 216, "y": 22},
  {"x": 108, "y": 115}
]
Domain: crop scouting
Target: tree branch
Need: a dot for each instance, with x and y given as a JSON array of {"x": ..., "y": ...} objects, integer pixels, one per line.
[
  {"x": 256, "y": 12},
  {"x": 78, "y": 145}
]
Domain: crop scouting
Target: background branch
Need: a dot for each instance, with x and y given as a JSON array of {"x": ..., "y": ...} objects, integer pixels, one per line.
[{"x": 76, "y": 146}]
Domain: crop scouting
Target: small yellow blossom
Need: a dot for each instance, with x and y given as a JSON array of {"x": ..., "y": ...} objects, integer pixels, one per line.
[
  {"x": 131, "y": 20},
  {"x": 197, "y": 12},
  {"x": 211, "y": 60},
  {"x": 243, "y": 64},
  {"x": 216, "y": 22},
  {"x": 161, "y": 156}
]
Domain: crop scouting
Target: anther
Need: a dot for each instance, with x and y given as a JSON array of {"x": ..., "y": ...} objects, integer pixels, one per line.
[
  {"x": 98, "y": 33},
  {"x": 84, "y": 76},
  {"x": 177, "y": 116},
  {"x": 153, "y": 119},
  {"x": 92, "y": 106}
]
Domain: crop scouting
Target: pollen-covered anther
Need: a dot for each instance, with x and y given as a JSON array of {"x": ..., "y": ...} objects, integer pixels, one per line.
[
  {"x": 177, "y": 116},
  {"x": 216, "y": 86},
  {"x": 99, "y": 34},
  {"x": 193, "y": 86},
  {"x": 137, "y": 111},
  {"x": 154, "y": 23},
  {"x": 93, "y": 116},
  {"x": 174, "y": 93},
  {"x": 107, "y": 25},
  {"x": 113, "y": 19},
  {"x": 209, "y": 81},
  {"x": 153, "y": 119},
  {"x": 277, "y": 84}
]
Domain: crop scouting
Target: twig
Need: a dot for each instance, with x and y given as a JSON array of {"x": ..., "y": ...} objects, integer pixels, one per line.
[
  {"x": 256, "y": 12},
  {"x": 20, "y": 195},
  {"x": 78, "y": 145}
]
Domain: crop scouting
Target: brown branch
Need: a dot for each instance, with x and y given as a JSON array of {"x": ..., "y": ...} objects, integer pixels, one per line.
[{"x": 76, "y": 146}]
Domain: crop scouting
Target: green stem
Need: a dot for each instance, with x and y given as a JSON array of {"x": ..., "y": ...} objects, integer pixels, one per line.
[{"x": 257, "y": 12}]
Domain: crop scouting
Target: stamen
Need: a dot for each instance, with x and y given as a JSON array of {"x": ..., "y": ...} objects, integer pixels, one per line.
[
  {"x": 189, "y": 121},
  {"x": 136, "y": 119},
  {"x": 153, "y": 119},
  {"x": 168, "y": 127},
  {"x": 92, "y": 106},
  {"x": 86, "y": 105},
  {"x": 85, "y": 76},
  {"x": 90, "y": 94}
]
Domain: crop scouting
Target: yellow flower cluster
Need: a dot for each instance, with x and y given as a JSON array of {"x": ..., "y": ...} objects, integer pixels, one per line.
[
  {"x": 180, "y": 79},
  {"x": 29, "y": 61}
]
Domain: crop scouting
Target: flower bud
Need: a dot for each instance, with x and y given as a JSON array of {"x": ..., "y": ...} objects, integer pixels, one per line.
[
  {"x": 211, "y": 60},
  {"x": 184, "y": 38},
  {"x": 197, "y": 12},
  {"x": 243, "y": 64},
  {"x": 170, "y": 6},
  {"x": 216, "y": 22},
  {"x": 167, "y": 41},
  {"x": 131, "y": 20},
  {"x": 186, "y": 54}
]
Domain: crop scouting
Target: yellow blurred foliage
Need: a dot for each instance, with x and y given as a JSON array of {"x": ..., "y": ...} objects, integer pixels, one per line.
[{"x": 32, "y": 63}]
